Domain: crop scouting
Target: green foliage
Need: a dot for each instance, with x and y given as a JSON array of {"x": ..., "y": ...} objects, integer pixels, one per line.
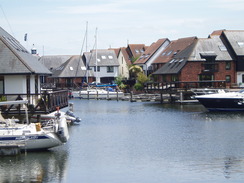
[
  {"x": 142, "y": 78},
  {"x": 138, "y": 86},
  {"x": 135, "y": 70}
]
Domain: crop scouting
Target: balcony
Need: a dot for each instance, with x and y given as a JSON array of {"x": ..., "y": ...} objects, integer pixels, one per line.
[{"x": 43, "y": 103}]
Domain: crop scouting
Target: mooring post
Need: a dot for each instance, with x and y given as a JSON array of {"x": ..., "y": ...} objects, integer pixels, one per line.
[{"x": 161, "y": 97}]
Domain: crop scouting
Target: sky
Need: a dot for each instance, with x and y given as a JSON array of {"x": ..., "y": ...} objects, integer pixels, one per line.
[{"x": 58, "y": 27}]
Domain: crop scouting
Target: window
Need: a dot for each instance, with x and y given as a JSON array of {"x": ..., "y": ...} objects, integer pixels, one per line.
[
  {"x": 242, "y": 78},
  {"x": 98, "y": 69},
  {"x": 228, "y": 65},
  {"x": 110, "y": 69},
  {"x": 110, "y": 57},
  {"x": 71, "y": 68},
  {"x": 163, "y": 53},
  {"x": 104, "y": 57},
  {"x": 169, "y": 53},
  {"x": 241, "y": 44},
  {"x": 222, "y": 48},
  {"x": 99, "y": 60},
  {"x": 227, "y": 78},
  {"x": 83, "y": 68}
]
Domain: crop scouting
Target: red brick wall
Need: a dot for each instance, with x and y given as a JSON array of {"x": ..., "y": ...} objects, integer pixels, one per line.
[{"x": 192, "y": 69}]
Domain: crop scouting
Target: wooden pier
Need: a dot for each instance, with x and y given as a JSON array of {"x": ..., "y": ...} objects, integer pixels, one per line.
[{"x": 42, "y": 103}]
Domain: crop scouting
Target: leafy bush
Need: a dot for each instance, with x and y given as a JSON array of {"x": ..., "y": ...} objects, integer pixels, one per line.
[{"x": 138, "y": 86}]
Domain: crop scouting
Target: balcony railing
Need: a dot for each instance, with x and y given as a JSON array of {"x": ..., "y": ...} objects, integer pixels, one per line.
[{"x": 42, "y": 103}]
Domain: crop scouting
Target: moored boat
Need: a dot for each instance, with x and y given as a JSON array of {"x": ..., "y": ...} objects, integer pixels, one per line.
[
  {"x": 223, "y": 101},
  {"x": 33, "y": 136}
]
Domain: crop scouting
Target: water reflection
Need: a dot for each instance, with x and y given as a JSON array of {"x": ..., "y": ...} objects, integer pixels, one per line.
[{"x": 47, "y": 166}]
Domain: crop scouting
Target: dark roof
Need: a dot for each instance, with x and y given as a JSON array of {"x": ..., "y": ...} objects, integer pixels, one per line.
[
  {"x": 150, "y": 51},
  {"x": 74, "y": 67},
  {"x": 236, "y": 40},
  {"x": 15, "y": 59},
  {"x": 53, "y": 61},
  {"x": 104, "y": 58},
  {"x": 174, "y": 66}
]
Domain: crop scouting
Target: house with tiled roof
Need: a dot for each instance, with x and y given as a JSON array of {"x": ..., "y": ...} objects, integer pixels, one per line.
[
  {"x": 205, "y": 59},
  {"x": 71, "y": 74},
  {"x": 104, "y": 63},
  {"x": 135, "y": 51},
  {"x": 20, "y": 72},
  {"x": 151, "y": 54}
]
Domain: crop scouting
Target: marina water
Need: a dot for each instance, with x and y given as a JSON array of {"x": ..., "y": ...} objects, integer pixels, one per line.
[{"x": 120, "y": 141}]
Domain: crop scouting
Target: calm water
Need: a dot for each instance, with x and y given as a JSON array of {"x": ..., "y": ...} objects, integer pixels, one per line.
[{"x": 139, "y": 143}]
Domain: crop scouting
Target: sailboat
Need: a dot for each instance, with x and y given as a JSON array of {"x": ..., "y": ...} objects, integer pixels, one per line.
[
  {"x": 98, "y": 91},
  {"x": 32, "y": 136}
]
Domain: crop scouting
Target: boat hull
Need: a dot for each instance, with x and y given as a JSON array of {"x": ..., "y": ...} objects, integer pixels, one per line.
[
  {"x": 222, "y": 104},
  {"x": 32, "y": 142}
]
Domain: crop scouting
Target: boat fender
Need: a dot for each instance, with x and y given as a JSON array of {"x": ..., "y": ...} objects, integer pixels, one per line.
[{"x": 38, "y": 127}]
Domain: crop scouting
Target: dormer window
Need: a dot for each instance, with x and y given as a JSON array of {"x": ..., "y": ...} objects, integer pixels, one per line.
[
  {"x": 169, "y": 53},
  {"x": 222, "y": 48},
  {"x": 240, "y": 43}
]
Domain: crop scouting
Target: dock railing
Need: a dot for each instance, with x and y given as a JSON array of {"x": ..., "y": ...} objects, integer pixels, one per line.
[
  {"x": 42, "y": 103},
  {"x": 165, "y": 86}
]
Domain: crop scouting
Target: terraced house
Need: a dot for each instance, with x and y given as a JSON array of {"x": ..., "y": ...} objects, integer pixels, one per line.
[{"x": 208, "y": 60}]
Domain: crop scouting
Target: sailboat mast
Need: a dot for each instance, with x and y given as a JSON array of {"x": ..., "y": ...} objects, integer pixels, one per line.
[
  {"x": 96, "y": 53},
  {"x": 87, "y": 70}
]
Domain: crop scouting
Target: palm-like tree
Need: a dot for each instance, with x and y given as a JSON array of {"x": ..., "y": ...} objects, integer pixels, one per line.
[{"x": 134, "y": 70}]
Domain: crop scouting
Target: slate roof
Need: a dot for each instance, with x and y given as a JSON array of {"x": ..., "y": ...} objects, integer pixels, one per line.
[
  {"x": 116, "y": 50},
  {"x": 104, "y": 58},
  {"x": 73, "y": 67},
  {"x": 150, "y": 51},
  {"x": 15, "y": 59},
  {"x": 53, "y": 61},
  {"x": 236, "y": 40},
  {"x": 211, "y": 45}
]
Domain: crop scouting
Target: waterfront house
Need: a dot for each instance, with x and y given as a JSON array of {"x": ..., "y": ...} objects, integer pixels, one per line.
[
  {"x": 234, "y": 42},
  {"x": 20, "y": 72},
  {"x": 124, "y": 63},
  {"x": 151, "y": 54},
  {"x": 135, "y": 51},
  {"x": 205, "y": 59},
  {"x": 103, "y": 63},
  {"x": 71, "y": 74},
  {"x": 53, "y": 61}
]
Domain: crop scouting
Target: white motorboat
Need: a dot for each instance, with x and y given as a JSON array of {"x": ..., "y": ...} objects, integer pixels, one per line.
[
  {"x": 33, "y": 136},
  {"x": 223, "y": 101}
]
